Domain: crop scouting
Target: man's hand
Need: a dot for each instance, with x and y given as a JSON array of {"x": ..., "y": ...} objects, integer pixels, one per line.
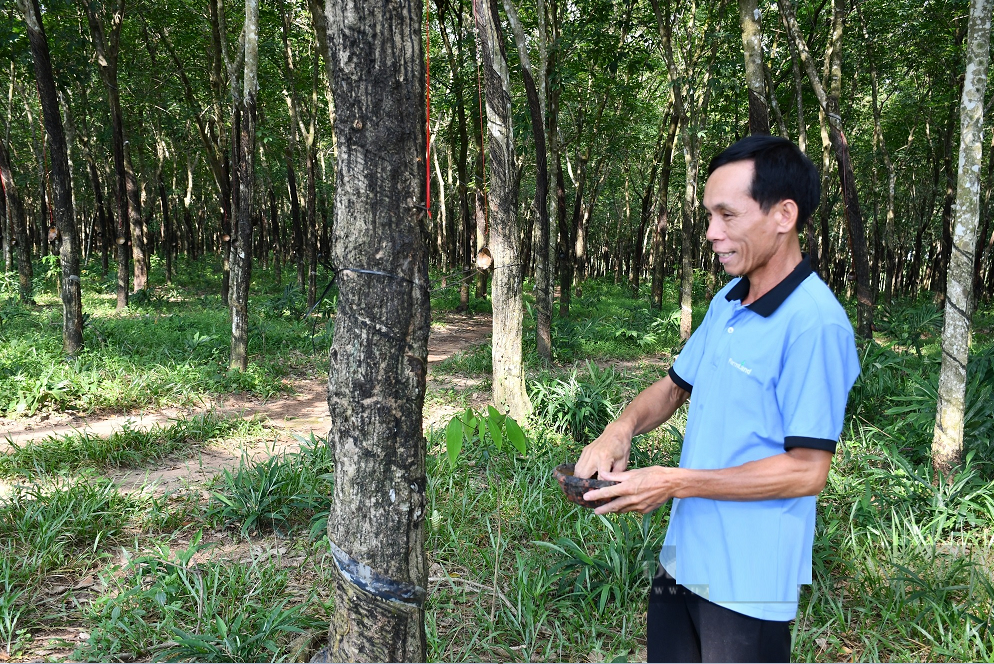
[
  {"x": 653, "y": 406},
  {"x": 640, "y": 490},
  {"x": 608, "y": 453},
  {"x": 797, "y": 472}
]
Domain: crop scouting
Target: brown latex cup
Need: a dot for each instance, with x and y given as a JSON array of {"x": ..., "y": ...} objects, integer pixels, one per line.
[{"x": 574, "y": 487}]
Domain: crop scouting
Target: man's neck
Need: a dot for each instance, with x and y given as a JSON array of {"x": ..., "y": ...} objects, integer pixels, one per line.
[{"x": 764, "y": 279}]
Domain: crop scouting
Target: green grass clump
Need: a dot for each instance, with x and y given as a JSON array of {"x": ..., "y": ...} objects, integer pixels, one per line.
[
  {"x": 606, "y": 322},
  {"x": 477, "y": 360},
  {"x": 127, "y": 447},
  {"x": 902, "y": 565},
  {"x": 167, "y": 606},
  {"x": 60, "y": 528},
  {"x": 579, "y": 405},
  {"x": 281, "y": 493}
]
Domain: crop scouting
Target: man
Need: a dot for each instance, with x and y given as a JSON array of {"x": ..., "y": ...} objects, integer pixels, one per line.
[{"x": 770, "y": 369}]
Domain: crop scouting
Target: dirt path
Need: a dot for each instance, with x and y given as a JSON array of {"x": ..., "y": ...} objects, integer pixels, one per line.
[{"x": 304, "y": 413}]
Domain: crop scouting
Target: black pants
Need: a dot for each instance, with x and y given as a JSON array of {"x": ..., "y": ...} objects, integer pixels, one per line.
[{"x": 684, "y": 627}]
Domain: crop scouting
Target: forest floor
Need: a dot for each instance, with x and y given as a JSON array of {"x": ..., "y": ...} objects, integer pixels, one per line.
[
  {"x": 154, "y": 506},
  {"x": 287, "y": 421},
  {"x": 303, "y": 413}
]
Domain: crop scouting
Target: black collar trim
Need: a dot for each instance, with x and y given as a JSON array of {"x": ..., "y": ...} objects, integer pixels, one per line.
[{"x": 766, "y": 305}]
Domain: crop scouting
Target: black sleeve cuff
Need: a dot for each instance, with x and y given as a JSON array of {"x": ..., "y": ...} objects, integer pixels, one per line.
[
  {"x": 680, "y": 382},
  {"x": 790, "y": 442}
]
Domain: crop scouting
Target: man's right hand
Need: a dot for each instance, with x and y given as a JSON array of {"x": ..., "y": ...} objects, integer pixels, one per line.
[
  {"x": 653, "y": 406},
  {"x": 608, "y": 453}
]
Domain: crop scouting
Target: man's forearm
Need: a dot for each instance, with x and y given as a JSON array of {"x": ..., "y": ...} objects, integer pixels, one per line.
[
  {"x": 653, "y": 406},
  {"x": 798, "y": 472}
]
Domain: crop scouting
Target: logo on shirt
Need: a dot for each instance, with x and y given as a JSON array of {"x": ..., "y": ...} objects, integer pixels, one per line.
[{"x": 741, "y": 367}]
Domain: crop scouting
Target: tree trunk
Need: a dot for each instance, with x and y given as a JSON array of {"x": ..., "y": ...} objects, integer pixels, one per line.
[
  {"x": 505, "y": 243},
  {"x": 139, "y": 251},
  {"x": 277, "y": 243},
  {"x": 947, "y": 444},
  {"x": 752, "y": 46},
  {"x": 241, "y": 265},
  {"x": 829, "y": 101},
  {"x": 662, "y": 215},
  {"x": 543, "y": 278},
  {"x": 167, "y": 230},
  {"x": 311, "y": 236},
  {"x": 297, "y": 241},
  {"x": 378, "y": 360},
  {"x": 461, "y": 240},
  {"x": 98, "y": 197},
  {"x": 107, "y": 58},
  {"x": 65, "y": 220},
  {"x": 8, "y": 258},
  {"x": 18, "y": 222},
  {"x": 686, "y": 108}
]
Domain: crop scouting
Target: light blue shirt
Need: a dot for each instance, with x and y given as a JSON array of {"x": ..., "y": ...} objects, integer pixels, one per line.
[{"x": 764, "y": 377}]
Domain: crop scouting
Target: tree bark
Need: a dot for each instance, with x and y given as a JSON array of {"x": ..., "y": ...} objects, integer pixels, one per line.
[
  {"x": 65, "y": 220},
  {"x": 505, "y": 243},
  {"x": 167, "y": 231},
  {"x": 18, "y": 222},
  {"x": 462, "y": 239},
  {"x": 690, "y": 106},
  {"x": 752, "y": 46},
  {"x": 947, "y": 444},
  {"x": 378, "y": 360},
  {"x": 241, "y": 264}
]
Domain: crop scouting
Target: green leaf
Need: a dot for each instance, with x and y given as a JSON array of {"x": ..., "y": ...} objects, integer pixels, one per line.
[
  {"x": 516, "y": 436},
  {"x": 453, "y": 440},
  {"x": 493, "y": 424}
]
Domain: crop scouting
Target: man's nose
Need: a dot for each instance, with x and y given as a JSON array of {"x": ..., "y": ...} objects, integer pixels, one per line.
[{"x": 714, "y": 231}]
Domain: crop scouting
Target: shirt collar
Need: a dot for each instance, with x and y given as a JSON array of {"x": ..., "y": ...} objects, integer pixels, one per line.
[{"x": 766, "y": 305}]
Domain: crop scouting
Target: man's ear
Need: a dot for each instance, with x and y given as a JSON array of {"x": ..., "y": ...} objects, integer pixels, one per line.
[{"x": 786, "y": 215}]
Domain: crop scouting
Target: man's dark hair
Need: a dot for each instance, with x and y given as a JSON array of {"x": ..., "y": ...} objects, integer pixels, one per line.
[{"x": 782, "y": 172}]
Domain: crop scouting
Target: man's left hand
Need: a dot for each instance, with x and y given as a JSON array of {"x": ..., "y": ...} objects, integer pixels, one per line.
[
  {"x": 640, "y": 490},
  {"x": 798, "y": 472}
]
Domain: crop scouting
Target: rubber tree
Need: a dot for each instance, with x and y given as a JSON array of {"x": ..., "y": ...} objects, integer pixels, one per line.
[
  {"x": 70, "y": 287},
  {"x": 752, "y": 47},
  {"x": 689, "y": 79},
  {"x": 505, "y": 239},
  {"x": 829, "y": 101},
  {"x": 947, "y": 442},
  {"x": 536, "y": 109},
  {"x": 378, "y": 359},
  {"x": 18, "y": 225},
  {"x": 107, "y": 46},
  {"x": 245, "y": 121}
]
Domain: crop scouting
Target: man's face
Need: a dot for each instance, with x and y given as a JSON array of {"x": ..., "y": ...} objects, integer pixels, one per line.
[{"x": 741, "y": 233}]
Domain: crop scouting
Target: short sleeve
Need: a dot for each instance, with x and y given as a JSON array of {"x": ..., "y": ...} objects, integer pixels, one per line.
[
  {"x": 819, "y": 369},
  {"x": 684, "y": 369}
]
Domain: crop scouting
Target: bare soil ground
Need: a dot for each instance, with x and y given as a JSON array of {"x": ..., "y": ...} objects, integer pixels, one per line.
[{"x": 303, "y": 413}]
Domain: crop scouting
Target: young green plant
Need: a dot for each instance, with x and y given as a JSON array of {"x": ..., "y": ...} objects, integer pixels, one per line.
[{"x": 490, "y": 430}]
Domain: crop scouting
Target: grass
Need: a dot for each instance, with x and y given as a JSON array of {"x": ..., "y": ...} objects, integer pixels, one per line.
[
  {"x": 902, "y": 566},
  {"x": 169, "y": 347},
  {"x": 168, "y": 606},
  {"x": 126, "y": 447},
  {"x": 281, "y": 493}
]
